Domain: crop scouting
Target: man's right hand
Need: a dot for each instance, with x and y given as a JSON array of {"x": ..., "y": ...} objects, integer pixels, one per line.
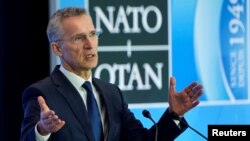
[{"x": 49, "y": 121}]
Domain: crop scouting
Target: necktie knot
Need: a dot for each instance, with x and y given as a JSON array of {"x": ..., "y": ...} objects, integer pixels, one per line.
[{"x": 86, "y": 85}]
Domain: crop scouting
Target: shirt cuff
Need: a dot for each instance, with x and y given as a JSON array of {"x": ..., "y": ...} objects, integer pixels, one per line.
[
  {"x": 177, "y": 122},
  {"x": 40, "y": 137},
  {"x": 176, "y": 119}
]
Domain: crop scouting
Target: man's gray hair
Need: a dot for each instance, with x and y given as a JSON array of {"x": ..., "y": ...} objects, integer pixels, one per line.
[{"x": 54, "y": 30}]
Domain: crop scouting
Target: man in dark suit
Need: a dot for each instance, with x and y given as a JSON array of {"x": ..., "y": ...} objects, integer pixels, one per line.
[{"x": 56, "y": 108}]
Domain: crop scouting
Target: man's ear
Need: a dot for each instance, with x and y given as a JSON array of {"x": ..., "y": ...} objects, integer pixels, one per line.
[{"x": 56, "y": 49}]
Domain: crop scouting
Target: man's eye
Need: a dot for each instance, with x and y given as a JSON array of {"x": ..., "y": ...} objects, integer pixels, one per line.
[
  {"x": 78, "y": 38},
  {"x": 92, "y": 34}
]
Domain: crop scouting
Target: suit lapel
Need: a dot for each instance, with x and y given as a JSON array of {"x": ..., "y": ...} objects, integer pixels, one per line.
[
  {"x": 73, "y": 99},
  {"x": 106, "y": 98}
]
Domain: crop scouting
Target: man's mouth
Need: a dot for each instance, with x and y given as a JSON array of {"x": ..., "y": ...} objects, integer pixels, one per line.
[{"x": 90, "y": 55}]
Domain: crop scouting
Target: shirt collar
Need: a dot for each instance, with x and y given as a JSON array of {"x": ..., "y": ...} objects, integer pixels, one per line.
[{"x": 76, "y": 80}]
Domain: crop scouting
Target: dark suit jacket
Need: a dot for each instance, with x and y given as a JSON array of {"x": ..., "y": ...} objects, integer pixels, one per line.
[{"x": 61, "y": 96}]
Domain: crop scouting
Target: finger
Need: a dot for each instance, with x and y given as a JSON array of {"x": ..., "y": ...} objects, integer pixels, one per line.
[
  {"x": 198, "y": 89},
  {"x": 42, "y": 104},
  {"x": 195, "y": 90},
  {"x": 57, "y": 123},
  {"x": 195, "y": 103},
  {"x": 58, "y": 126},
  {"x": 47, "y": 114},
  {"x": 190, "y": 87},
  {"x": 197, "y": 95},
  {"x": 47, "y": 119},
  {"x": 55, "y": 119},
  {"x": 172, "y": 85},
  {"x": 47, "y": 122}
]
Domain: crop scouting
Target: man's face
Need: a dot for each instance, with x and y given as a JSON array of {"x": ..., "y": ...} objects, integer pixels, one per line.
[{"x": 79, "y": 43}]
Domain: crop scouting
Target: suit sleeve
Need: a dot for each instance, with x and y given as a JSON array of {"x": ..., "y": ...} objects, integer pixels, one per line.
[
  {"x": 31, "y": 114},
  {"x": 133, "y": 130}
]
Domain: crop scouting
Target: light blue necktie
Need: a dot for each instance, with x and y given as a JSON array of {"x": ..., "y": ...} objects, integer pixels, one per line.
[{"x": 93, "y": 112}]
